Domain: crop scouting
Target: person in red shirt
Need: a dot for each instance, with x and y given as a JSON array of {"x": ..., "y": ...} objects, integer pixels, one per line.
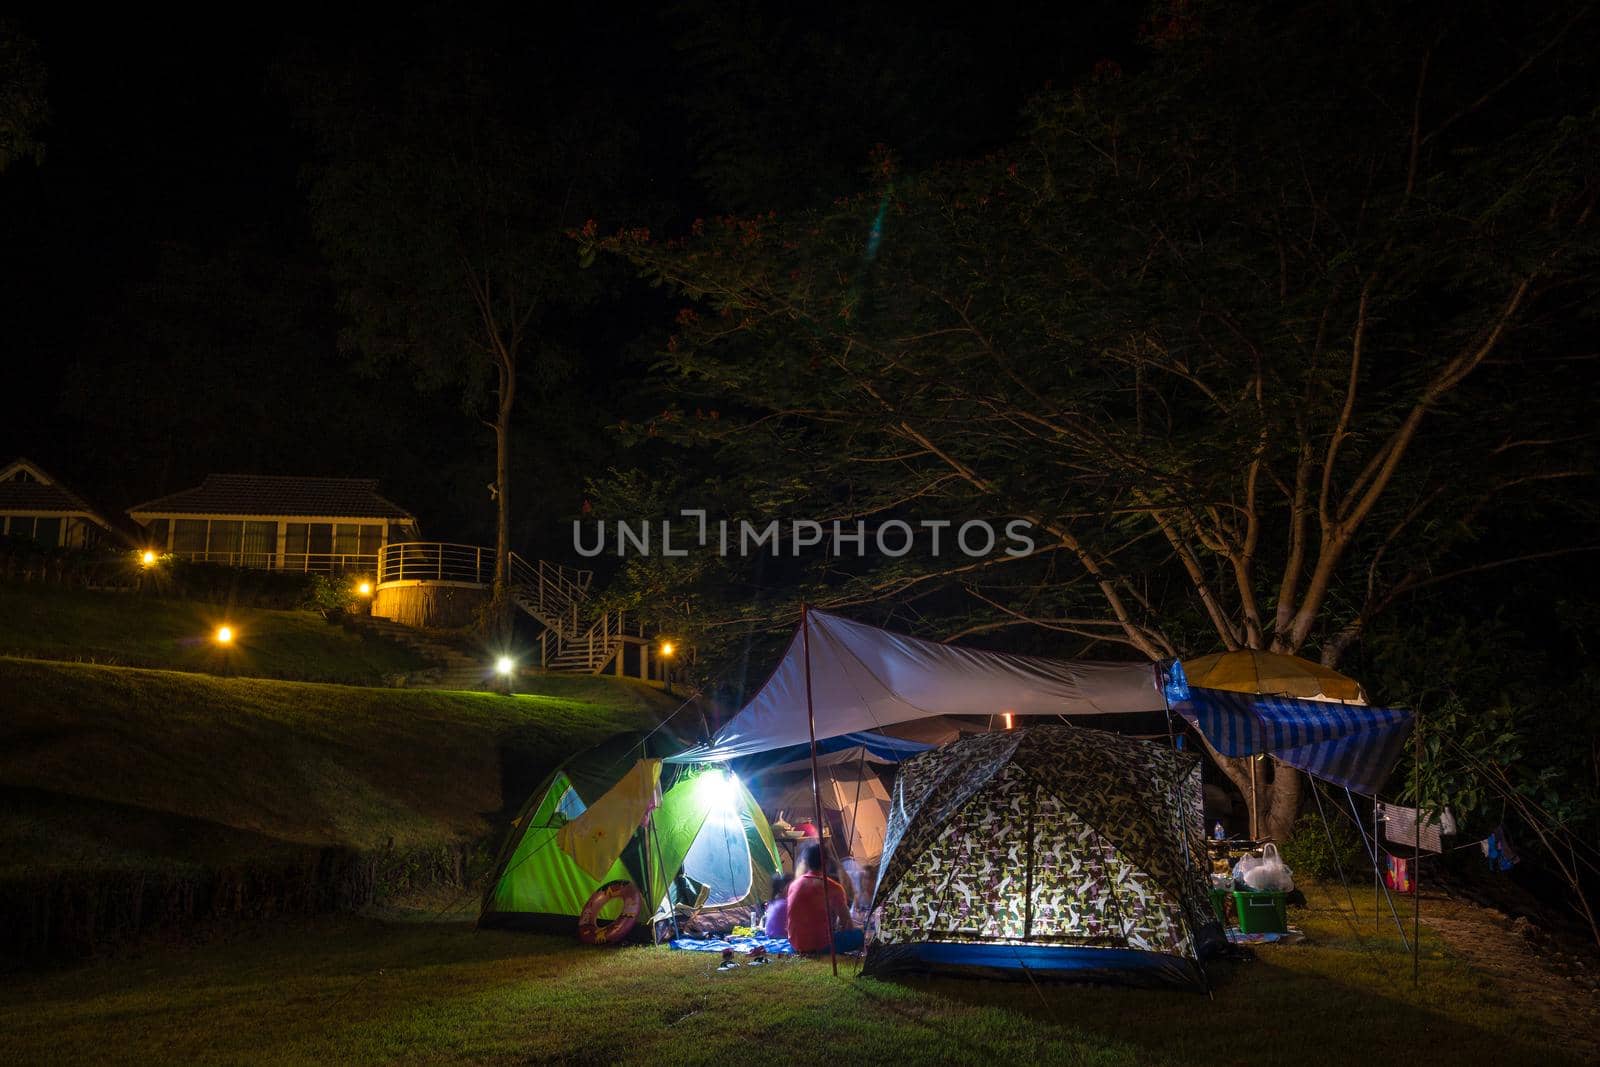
[{"x": 808, "y": 911}]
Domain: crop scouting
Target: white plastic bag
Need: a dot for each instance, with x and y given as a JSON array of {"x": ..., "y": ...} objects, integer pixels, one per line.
[{"x": 1269, "y": 873}]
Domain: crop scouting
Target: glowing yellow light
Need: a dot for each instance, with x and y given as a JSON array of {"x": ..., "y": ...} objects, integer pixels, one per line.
[
  {"x": 503, "y": 665},
  {"x": 1008, "y": 720},
  {"x": 148, "y": 559},
  {"x": 365, "y": 588},
  {"x": 224, "y": 635},
  {"x": 666, "y": 648}
]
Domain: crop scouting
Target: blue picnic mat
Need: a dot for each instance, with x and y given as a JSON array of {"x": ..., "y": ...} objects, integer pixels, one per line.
[
  {"x": 775, "y": 946},
  {"x": 1235, "y": 937}
]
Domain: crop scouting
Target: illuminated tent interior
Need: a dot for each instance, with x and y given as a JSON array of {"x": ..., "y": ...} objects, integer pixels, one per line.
[
  {"x": 1052, "y": 850},
  {"x": 705, "y": 844}
]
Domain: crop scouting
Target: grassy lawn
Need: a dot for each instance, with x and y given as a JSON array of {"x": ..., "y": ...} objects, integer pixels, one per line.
[
  {"x": 354, "y": 990},
  {"x": 124, "y": 629},
  {"x": 115, "y": 768}
]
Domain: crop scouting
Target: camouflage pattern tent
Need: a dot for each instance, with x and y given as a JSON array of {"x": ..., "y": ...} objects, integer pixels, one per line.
[{"x": 1047, "y": 850}]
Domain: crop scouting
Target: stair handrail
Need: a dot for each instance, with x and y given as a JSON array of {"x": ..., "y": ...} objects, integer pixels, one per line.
[{"x": 596, "y": 644}]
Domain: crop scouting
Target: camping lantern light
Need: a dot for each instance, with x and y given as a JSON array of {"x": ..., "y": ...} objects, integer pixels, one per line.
[
  {"x": 503, "y": 666},
  {"x": 1008, "y": 719},
  {"x": 721, "y": 792},
  {"x": 224, "y": 635}
]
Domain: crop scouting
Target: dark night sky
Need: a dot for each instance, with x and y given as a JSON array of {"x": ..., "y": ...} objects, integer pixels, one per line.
[{"x": 169, "y": 145}]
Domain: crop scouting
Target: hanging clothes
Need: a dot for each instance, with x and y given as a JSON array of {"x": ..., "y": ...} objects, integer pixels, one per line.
[
  {"x": 1399, "y": 825},
  {"x": 1397, "y": 874},
  {"x": 1497, "y": 848}
]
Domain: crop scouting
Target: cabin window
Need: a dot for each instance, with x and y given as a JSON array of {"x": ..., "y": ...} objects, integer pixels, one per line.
[
  {"x": 260, "y": 543},
  {"x": 225, "y": 537},
  {"x": 371, "y": 540},
  {"x": 189, "y": 537},
  {"x": 346, "y": 539},
  {"x": 47, "y": 531}
]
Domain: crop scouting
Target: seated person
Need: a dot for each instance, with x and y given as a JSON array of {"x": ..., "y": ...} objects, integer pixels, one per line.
[
  {"x": 777, "y": 924},
  {"x": 808, "y": 909}
]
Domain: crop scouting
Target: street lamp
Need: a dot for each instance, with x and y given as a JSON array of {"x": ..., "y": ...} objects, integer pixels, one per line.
[{"x": 666, "y": 668}]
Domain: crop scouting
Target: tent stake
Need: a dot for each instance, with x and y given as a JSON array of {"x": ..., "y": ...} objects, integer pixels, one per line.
[{"x": 816, "y": 787}]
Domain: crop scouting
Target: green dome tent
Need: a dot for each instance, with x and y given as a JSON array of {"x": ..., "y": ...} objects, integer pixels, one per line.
[
  {"x": 1047, "y": 850},
  {"x": 707, "y": 842}
]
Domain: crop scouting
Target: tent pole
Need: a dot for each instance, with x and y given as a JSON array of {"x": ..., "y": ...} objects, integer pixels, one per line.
[
  {"x": 1254, "y": 817},
  {"x": 1377, "y": 875},
  {"x": 1372, "y": 853},
  {"x": 816, "y": 787},
  {"x": 1416, "y": 861},
  {"x": 1333, "y": 850}
]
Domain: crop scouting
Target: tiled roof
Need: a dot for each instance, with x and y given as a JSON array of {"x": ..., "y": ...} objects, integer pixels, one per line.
[
  {"x": 33, "y": 495},
  {"x": 271, "y": 494}
]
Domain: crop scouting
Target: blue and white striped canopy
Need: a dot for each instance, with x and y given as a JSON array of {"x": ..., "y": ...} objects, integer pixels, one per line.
[{"x": 1347, "y": 744}]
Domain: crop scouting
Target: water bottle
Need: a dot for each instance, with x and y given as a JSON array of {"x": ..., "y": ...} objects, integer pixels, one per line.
[{"x": 1218, "y": 833}]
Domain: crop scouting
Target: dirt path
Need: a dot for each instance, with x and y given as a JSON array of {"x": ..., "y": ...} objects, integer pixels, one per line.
[{"x": 1561, "y": 987}]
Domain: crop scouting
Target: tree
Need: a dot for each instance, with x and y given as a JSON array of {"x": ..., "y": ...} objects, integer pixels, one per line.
[
  {"x": 24, "y": 109},
  {"x": 1257, "y": 337},
  {"x": 440, "y": 194}
]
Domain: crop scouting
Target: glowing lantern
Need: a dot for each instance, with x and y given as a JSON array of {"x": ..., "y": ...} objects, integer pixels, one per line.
[
  {"x": 365, "y": 588},
  {"x": 503, "y": 666},
  {"x": 224, "y": 635},
  {"x": 148, "y": 559}
]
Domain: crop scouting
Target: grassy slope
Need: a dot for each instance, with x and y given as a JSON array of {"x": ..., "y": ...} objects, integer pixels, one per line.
[
  {"x": 139, "y": 631},
  {"x": 362, "y": 991},
  {"x": 113, "y": 768}
]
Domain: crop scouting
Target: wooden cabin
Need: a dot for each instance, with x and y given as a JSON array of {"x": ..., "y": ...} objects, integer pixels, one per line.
[
  {"x": 34, "y": 506},
  {"x": 276, "y": 522}
]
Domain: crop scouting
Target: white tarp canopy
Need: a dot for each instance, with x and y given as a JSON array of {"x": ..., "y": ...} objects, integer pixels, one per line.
[{"x": 866, "y": 678}]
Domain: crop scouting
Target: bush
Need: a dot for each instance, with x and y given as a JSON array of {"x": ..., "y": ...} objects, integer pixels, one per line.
[
  {"x": 213, "y": 583},
  {"x": 1308, "y": 854},
  {"x": 329, "y": 594}
]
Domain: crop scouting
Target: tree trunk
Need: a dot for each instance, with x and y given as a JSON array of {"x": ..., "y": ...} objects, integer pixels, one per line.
[
  {"x": 1277, "y": 802},
  {"x": 499, "y": 617}
]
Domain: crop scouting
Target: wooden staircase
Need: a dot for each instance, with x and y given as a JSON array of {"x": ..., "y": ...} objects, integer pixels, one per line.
[{"x": 575, "y": 639}]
